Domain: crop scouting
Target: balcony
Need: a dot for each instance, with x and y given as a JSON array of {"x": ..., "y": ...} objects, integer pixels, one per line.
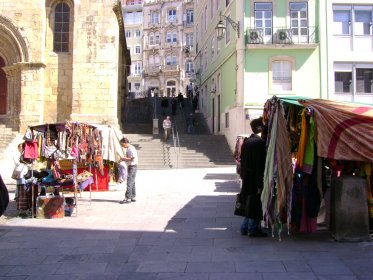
[
  {"x": 187, "y": 24},
  {"x": 293, "y": 37},
  {"x": 173, "y": 67}
]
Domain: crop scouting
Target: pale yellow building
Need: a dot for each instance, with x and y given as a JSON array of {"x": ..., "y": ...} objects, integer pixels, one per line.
[{"x": 62, "y": 59}]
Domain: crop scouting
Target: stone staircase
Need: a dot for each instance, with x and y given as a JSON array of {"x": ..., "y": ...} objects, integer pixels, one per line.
[{"x": 195, "y": 151}]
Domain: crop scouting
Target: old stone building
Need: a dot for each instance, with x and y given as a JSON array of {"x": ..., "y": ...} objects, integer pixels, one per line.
[
  {"x": 62, "y": 59},
  {"x": 168, "y": 46}
]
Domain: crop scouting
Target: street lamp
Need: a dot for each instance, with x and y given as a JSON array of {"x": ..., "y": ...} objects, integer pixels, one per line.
[{"x": 220, "y": 27}]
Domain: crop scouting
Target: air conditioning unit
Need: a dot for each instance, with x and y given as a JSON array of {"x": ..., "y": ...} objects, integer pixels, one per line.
[
  {"x": 255, "y": 37},
  {"x": 284, "y": 36}
]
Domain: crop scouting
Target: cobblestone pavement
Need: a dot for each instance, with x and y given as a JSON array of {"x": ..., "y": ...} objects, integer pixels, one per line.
[{"x": 181, "y": 227}]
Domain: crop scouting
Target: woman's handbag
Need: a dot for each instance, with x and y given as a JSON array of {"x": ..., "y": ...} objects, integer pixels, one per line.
[
  {"x": 19, "y": 171},
  {"x": 239, "y": 208}
]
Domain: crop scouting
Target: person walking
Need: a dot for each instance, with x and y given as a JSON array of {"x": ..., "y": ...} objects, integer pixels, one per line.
[
  {"x": 132, "y": 160},
  {"x": 253, "y": 156},
  {"x": 174, "y": 105},
  {"x": 190, "y": 123},
  {"x": 167, "y": 127},
  {"x": 180, "y": 100},
  {"x": 164, "y": 106}
]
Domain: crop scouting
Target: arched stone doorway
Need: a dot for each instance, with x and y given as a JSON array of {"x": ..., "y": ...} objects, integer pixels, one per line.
[{"x": 16, "y": 95}]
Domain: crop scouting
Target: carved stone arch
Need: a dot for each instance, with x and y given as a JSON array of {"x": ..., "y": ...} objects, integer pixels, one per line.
[
  {"x": 52, "y": 4},
  {"x": 13, "y": 47}
]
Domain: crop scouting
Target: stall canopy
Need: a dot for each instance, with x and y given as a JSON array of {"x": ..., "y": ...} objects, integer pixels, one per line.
[{"x": 344, "y": 131}]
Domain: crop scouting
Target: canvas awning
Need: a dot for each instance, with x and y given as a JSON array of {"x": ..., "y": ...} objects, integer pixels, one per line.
[{"x": 344, "y": 131}]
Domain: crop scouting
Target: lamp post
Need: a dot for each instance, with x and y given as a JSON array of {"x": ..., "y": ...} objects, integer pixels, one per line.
[{"x": 220, "y": 27}]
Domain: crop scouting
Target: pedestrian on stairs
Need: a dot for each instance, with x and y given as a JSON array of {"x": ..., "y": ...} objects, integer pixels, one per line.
[
  {"x": 190, "y": 123},
  {"x": 174, "y": 105},
  {"x": 132, "y": 160},
  {"x": 167, "y": 127}
]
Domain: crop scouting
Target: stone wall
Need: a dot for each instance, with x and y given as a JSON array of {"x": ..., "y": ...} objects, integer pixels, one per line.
[{"x": 45, "y": 86}]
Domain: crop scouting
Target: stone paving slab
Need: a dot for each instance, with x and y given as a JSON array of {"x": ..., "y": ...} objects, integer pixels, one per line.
[{"x": 181, "y": 227}]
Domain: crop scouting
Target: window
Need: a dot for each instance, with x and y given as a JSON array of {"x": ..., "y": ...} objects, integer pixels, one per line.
[
  {"x": 363, "y": 21},
  {"x": 137, "y": 33},
  {"x": 227, "y": 2},
  {"x": 342, "y": 20},
  {"x": 263, "y": 17},
  {"x": 206, "y": 18},
  {"x": 189, "y": 39},
  {"x": 299, "y": 18},
  {"x": 189, "y": 16},
  {"x": 137, "y": 86},
  {"x": 136, "y": 68},
  {"x": 226, "y": 120},
  {"x": 154, "y": 17},
  {"x": 189, "y": 67},
  {"x": 212, "y": 47},
  {"x": 281, "y": 75},
  {"x": 171, "y": 37},
  {"x": 61, "y": 28},
  {"x": 355, "y": 79},
  {"x": 170, "y": 60},
  {"x": 137, "y": 49},
  {"x": 227, "y": 32},
  {"x": 157, "y": 38},
  {"x": 128, "y": 33},
  {"x": 343, "y": 82},
  {"x": 212, "y": 9},
  {"x": 154, "y": 61},
  {"x": 364, "y": 80},
  {"x": 171, "y": 15},
  {"x": 133, "y": 18},
  {"x": 205, "y": 58},
  {"x": 151, "y": 38},
  {"x": 154, "y": 38}
]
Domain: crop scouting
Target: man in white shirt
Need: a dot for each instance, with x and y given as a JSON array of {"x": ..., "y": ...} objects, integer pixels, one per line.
[
  {"x": 167, "y": 127},
  {"x": 132, "y": 160}
]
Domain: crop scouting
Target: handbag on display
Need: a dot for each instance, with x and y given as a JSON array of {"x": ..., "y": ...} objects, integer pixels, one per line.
[{"x": 239, "y": 208}]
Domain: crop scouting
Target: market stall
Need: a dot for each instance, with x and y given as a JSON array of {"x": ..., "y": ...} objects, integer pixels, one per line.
[
  {"x": 311, "y": 143},
  {"x": 71, "y": 157}
]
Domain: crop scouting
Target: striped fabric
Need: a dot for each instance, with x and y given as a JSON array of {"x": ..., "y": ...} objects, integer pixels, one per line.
[{"x": 344, "y": 131}]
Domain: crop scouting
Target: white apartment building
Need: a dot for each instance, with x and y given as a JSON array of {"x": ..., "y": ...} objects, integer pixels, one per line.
[
  {"x": 349, "y": 50},
  {"x": 133, "y": 19},
  {"x": 167, "y": 46}
]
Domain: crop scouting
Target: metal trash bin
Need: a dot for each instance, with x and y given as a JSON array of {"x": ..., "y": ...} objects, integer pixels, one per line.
[{"x": 349, "y": 209}]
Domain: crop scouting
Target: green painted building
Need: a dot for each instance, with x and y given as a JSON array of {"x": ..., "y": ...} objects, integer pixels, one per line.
[{"x": 267, "y": 48}]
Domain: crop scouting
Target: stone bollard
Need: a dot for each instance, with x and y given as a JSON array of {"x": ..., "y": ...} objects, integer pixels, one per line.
[{"x": 349, "y": 209}]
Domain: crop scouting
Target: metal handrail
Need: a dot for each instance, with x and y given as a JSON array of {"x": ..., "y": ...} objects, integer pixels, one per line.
[{"x": 176, "y": 142}]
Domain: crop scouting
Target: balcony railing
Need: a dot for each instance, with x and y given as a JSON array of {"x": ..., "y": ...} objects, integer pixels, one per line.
[
  {"x": 173, "y": 67},
  {"x": 188, "y": 23},
  {"x": 282, "y": 35}
]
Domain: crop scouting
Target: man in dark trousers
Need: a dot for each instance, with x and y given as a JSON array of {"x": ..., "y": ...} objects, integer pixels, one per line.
[{"x": 253, "y": 156}]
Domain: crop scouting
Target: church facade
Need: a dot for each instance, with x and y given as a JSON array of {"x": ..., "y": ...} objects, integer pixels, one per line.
[{"x": 62, "y": 60}]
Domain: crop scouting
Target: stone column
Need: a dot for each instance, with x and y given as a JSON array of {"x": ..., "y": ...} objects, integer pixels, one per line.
[
  {"x": 31, "y": 93},
  {"x": 13, "y": 102}
]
